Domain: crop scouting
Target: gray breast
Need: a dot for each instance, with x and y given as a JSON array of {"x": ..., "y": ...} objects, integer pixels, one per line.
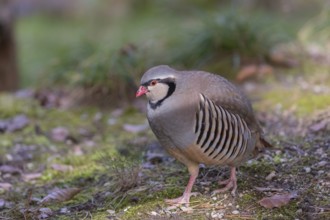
[{"x": 173, "y": 123}]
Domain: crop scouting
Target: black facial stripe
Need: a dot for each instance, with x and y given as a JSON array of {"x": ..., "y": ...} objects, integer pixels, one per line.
[
  {"x": 171, "y": 88},
  {"x": 149, "y": 82}
]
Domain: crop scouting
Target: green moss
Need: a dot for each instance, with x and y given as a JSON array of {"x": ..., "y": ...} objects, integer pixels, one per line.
[
  {"x": 247, "y": 199},
  {"x": 261, "y": 168},
  {"x": 11, "y": 106},
  {"x": 140, "y": 211},
  {"x": 304, "y": 102},
  {"x": 100, "y": 215}
]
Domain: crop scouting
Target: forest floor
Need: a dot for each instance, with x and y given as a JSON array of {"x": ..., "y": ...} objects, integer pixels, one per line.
[{"x": 86, "y": 163}]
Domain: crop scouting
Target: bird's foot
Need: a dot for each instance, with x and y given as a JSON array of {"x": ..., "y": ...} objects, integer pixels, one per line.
[
  {"x": 182, "y": 200},
  {"x": 230, "y": 183}
]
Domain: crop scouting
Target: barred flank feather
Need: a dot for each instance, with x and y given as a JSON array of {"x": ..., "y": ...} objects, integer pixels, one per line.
[{"x": 222, "y": 135}]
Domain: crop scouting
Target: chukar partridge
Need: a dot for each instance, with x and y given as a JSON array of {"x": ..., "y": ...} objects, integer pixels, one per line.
[{"x": 201, "y": 118}]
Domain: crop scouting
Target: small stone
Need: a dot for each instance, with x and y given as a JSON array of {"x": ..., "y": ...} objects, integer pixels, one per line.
[
  {"x": 112, "y": 121},
  {"x": 30, "y": 166},
  {"x": 214, "y": 214},
  {"x": 9, "y": 157},
  {"x": 307, "y": 169},
  {"x": 214, "y": 198},
  {"x": 271, "y": 175},
  {"x": 235, "y": 212},
  {"x": 278, "y": 152},
  {"x": 237, "y": 206},
  {"x": 186, "y": 209},
  {"x": 171, "y": 208},
  {"x": 47, "y": 211},
  {"x": 229, "y": 204},
  {"x": 98, "y": 116},
  {"x": 206, "y": 183},
  {"x": 111, "y": 212},
  {"x": 64, "y": 210},
  {"x": 2, "y": 203},
  {"x": 153, "y": 213},
  {"x": 319, "y": 151},
  {"x": 117, "y": 113},
  {"x": 5, "y": 186},
  {"x": 322, "y": 163}
]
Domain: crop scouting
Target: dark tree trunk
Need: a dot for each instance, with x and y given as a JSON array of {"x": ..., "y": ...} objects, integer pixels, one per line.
[{"x": 9, "y": 77}]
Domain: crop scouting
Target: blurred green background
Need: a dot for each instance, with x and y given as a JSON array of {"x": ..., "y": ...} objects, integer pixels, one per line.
[{"x": 107, "y": 45}]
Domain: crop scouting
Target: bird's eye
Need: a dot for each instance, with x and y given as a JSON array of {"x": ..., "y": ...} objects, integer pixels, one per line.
[{"x": 153, "y": 82}]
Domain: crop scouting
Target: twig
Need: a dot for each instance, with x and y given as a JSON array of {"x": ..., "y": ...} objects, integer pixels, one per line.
[
  {"x": 239, "y": 217},
  {"x": 268, "y": 189},
  {"x": 319, "y": 207}
]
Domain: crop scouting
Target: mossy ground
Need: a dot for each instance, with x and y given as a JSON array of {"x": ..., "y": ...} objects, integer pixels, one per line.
[{"x": 103, "y": 156}]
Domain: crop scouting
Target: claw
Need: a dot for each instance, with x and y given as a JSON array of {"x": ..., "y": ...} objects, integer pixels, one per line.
[
  {"x": 184, "y": 199},
  {"x": 230, "y": 183}
]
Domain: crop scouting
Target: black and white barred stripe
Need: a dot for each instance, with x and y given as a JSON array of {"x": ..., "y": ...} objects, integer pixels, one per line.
[{"x": 222, "y": 135}]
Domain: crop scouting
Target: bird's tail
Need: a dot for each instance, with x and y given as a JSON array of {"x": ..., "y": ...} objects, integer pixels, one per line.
[
  {"x": 261, "y": 145},
  {"x": 265, "y": 143}
]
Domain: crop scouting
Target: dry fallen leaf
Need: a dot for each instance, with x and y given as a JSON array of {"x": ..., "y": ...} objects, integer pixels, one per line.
[
  {"x": 253, "y": 70},
  {"x": 277, "y": 200},
  {"x": 280, "y": 57},
  {"x": 60, "y": 195},
  {"x": 247, "y": 72}
]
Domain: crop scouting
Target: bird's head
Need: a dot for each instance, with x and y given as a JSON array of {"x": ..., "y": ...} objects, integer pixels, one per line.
[{"x": 158, "y": 83}]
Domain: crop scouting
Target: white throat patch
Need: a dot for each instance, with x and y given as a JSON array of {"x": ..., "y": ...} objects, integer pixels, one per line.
[{"x": 157, "y": 92}]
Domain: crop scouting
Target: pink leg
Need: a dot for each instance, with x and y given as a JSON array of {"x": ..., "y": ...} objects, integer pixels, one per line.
[
  {"x": 184, "y": 199},
  {"x": 230, "y": 183}
]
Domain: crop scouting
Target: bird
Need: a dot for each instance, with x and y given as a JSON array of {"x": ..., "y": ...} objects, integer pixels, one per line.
[{"x": 201, "y": 118}]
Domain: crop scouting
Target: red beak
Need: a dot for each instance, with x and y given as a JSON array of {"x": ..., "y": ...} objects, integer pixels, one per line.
[{"x": 142, "y": 90}]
